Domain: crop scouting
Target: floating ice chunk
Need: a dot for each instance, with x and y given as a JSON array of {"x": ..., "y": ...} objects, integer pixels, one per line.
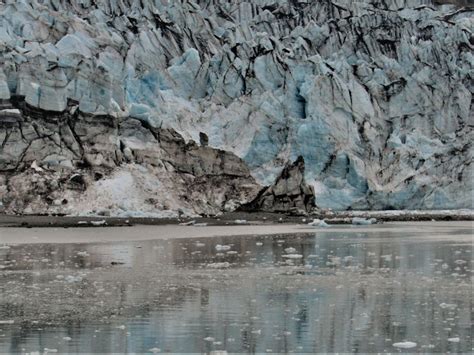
[
  {"x": 209, "y": 339},
  {"x": 222, "y": 247},
  {"x": 67, "y": 338},
  {"x": 448, "y": 306},
  {"x": 190, "y": 223},
  {"x": 7, "y": 322},
  {"x": 83, "y": 253},
  {"x": 405, "y": 345},
  {"x": 82, "y": 222},
  {"x": 323, "y": 224},
  {"x": 363, "y": 221},
  {"x": 334, "y": 260},
  {"x": 200, "y": 225},
  {"x": 315, "y": 222},
  {"x": 241, "y": 221},
  {"x": 318, "y": 223},
  {"x": 259, "y": 244},
  {"x": 290, "y": 250},
  {"x": 99, "y": 223},
  {"x": 4, "y": 247},
  {"x": 223, "y": 265},
  {"x": 46, "y": 350},
  {"x": 154, "y": 350},
  {"x": 199, "y": 244},
  {"x": 218, "y": 352},
  {"x": 122, "y": 327},
  {"x": 454, "y": 340},
  {"x": 258, "y": 332},
  {"x": 293, "y": 256},
  {"x": 72, "y": 279}
]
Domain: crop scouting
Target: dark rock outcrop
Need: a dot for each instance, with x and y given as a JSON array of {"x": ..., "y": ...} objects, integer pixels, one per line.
[
  {"x": 74, "y": 163},
  {"x": 203, "y": 139},
  {"x": 289, "y": 193}
]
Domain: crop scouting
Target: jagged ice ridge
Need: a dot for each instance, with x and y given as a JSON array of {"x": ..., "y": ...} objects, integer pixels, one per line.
[{"x": 375, "y": 95}]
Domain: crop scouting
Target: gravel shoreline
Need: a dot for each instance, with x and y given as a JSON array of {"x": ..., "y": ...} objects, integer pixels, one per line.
[{"x": 235, "y": 218}]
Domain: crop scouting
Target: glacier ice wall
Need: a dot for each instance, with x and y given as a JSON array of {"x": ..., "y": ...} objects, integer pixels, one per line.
[{"x": 376, "y": 95}]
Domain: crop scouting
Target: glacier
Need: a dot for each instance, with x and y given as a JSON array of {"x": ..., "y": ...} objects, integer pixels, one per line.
[{"x": 376, "y": 95}]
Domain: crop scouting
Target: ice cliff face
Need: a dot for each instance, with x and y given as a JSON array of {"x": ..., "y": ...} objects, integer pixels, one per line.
[{"x": 375, "y": 95}]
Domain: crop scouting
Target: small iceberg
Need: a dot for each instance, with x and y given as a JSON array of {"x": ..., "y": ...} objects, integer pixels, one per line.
[
  {"x": 363, "y": 221},
  {"x": 190, "y": 223},
  {"x": 7, "y": 322},
  {"x": 99, "y": 223},
  {"x": 450, "y": 306},
  {"x": 223, "y": 265},
  {"x": 222, "y": 247},
  {"x": 318, "y": 223},
  {"x": 405, "y": 345},
  {"x": 293, "y": 256}
]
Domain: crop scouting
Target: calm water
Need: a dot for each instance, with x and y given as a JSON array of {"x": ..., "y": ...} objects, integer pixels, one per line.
[{"x": 323, "y": 292}]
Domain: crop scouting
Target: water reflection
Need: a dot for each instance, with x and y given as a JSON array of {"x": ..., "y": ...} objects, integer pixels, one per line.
[{"x": 324, "y": 292}]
